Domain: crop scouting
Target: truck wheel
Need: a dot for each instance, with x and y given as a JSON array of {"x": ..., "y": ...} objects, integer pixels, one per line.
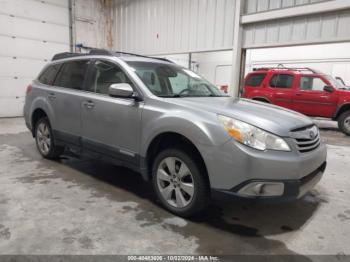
[
  {"x": 344, "y": 122},
  {"x": 44, "y": 140},
  {"x": 179, "y": 182}
]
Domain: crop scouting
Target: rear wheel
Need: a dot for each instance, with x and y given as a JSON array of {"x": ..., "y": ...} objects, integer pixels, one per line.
[
  {"x": 344, "y": 122},
  {"x": 44, "y": 140},
  {"x": 180, "y": 182}
]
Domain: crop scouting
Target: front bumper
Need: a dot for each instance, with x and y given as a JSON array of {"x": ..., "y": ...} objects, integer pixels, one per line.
[{"x": 292, "y": 189}]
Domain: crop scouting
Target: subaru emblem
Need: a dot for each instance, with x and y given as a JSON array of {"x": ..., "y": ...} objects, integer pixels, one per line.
[{"x": 312, "y": 134}]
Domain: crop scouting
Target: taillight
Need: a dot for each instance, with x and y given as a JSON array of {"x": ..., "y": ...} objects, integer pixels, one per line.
[{"x": 29, "y": 89}]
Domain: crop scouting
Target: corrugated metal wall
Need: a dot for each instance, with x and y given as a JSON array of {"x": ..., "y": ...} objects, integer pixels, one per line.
[
  {"x": 330, "y": 27},
  {"x": 174, "y": 26},
  {"x": 256, "y": 6}
]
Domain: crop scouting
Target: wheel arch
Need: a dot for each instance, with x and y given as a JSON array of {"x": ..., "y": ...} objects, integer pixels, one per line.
[
  {"x": 340, "y": 110},
  {"x": 37, "y": 114},
  {"x": 171, "y": 139}
]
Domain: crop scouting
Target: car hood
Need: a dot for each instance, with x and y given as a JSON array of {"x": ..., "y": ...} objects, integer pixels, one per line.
[
  {"x": 344, "y": 92},
  {"x": 274, "y": 119}
]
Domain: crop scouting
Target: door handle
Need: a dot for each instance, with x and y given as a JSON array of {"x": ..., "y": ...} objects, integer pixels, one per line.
[
  {"x": 52, "y": 96},
  {"x": 298, "y": 94},
  {"x": 89, "y": 104}
]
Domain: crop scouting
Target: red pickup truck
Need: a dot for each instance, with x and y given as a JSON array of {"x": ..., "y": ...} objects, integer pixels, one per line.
[{"x": 301, "y": 89}]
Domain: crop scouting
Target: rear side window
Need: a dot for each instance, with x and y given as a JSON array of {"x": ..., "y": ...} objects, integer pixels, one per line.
[
  {"x": 281, "y": 81},
  {"x": 49, "y": 75},
  {"x": 255, "y": 80},
  {"x": 72, "y": 74}
]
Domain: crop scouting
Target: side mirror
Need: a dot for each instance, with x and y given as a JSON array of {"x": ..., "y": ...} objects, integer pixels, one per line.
[
  {"x": 328, "y": 89},
  {"x": 121, "y": 90}
]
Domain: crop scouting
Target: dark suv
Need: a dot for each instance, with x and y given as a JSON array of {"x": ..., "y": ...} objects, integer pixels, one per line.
[{"x": 301, "y": 89}]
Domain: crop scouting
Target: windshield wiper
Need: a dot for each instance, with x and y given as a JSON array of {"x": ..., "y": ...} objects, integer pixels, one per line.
[{"x": 171, "y": 96}]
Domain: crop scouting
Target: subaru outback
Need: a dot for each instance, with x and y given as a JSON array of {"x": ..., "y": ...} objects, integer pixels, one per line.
[{"x": 176, "y": 129}]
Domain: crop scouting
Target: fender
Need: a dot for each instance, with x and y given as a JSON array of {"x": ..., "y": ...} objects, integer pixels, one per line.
[{"x": 200, "y": 132}]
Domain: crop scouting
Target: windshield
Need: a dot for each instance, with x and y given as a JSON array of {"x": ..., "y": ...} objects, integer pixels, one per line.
[
  {"x": 166, "y": 80},
  {"x": 335, "y": 83}
]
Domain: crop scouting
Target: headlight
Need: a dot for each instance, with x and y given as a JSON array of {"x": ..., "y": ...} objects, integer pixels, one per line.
[{"x": 252, "y": 136}]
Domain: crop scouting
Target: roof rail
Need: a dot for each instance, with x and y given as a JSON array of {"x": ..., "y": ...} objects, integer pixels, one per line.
[
  {"x": 132, "y": 54},
  {"x": 287, "y": 68},
  {"x": 96, "y": 51},
  {"x": 65, "y": 55}
]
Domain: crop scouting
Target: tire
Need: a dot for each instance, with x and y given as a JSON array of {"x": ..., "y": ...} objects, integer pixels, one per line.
[
  {"x": 344, "y": 122},
  {"x": 173, "y": 188},
  {"x": 45, "y": 141}
]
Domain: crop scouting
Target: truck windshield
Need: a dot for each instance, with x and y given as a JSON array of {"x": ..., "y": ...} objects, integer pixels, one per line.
[{"x": 166, "y": 80}]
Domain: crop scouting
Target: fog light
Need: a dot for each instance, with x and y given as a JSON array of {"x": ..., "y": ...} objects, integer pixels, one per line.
[{"x": 262, "y": 189}]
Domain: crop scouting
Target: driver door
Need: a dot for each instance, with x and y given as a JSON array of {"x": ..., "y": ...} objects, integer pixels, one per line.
[
  {"x": 110, "y": 125},
  {"x": 310, "y": 98}
]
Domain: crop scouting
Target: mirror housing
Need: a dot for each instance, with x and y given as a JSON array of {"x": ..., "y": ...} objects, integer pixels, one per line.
[
  {"x": 328, "y": 89},
  {"x": 123, "y": 90}
]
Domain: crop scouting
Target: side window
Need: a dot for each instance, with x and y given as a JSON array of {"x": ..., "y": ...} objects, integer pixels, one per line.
[
  {"x": 48, "y": 76},
  {"x": 311, "y": 83},
  {"x": 281, "y": 81},
  {"x": 72, "y": 74},
  {"x": 104, "y": 75},
  {"x": 255, "y": 80}
]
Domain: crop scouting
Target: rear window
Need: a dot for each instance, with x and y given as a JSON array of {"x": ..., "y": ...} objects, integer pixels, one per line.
[
  {"x": 281, "y": 81},
  {"x": 49, "y": 75},
  {"x": 72, "y": 74},
  {"x": 255, "y": 80}
]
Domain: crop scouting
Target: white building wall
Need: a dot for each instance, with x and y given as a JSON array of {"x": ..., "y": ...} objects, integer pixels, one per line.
[{"x": 332, "y": 59}]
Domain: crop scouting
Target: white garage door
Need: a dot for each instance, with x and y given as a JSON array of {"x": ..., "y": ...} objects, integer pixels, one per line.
[{"x": 31, "y": 31}]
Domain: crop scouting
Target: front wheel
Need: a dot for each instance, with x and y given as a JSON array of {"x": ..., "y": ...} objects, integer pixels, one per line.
[
  {"x": 180, "y": 182},
  {"x": 44, "y": 140},
  {"x": 344, "y": 122}
]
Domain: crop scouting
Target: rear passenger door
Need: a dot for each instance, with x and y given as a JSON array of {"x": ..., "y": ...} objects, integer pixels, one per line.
[
  {"x": 65, "y": 99},
  {"x": 283, "y": 91},
  {"x": 110, "y": 125}
]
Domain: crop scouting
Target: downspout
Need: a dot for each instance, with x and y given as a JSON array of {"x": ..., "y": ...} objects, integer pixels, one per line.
[{"x": 71, "y": 8}]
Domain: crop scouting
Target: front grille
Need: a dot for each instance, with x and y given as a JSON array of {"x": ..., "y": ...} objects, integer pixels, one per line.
[{"x": 307, "y": 139}]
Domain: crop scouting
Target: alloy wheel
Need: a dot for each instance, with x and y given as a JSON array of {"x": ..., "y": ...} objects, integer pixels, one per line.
[
  {"x": 43, "y": 138},
  {"x": 175, "y": 182}
]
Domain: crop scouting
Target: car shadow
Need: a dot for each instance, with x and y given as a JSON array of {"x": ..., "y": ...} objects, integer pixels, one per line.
[{"x": 238, "y": 216}]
